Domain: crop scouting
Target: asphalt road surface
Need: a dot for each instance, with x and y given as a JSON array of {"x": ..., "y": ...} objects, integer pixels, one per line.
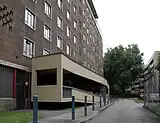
[{"x": 126, "y": 111}]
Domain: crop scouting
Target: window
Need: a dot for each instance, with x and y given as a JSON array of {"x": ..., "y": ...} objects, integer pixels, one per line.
[
  {"x": 68, "y": 49},
  {"x": 60, "y": 4},
  {"x": 28, "y": 48},
  {"x": 94, "y": 48},
  {"x": 68, "y": 32},
  {"x": 34, "y": 1},
  {"x": 75, "y": 39},
  {"x": 47, "y": 32},
  {"x": 68, "y": 1},
  {"x": 87, "y": 30},
  {"x": 87, "y": 41},
  {"x": 48, "y": 9},
  {"x": 75, "y": 54},
  {"x": 84, "y": 50},
  {"x": 59, "y": 42},
  {"x": 84, "y": 37},
  {"x": 68, "y": 15},
  {"x": 83, "y": 1},
  {"x": 75, "y": 24},
  {"x": 45, "y": 52},
  {"x": 83, "y": 12},
  {"x": 84, "y": 25},
  {"x": 80, "y": 51},
  {"x": 87, "y": 19},
  {"x": 75, "y": 9},
  {"x": 47, "y": 77},
  {"x": 59, "y": 22},
  {"x": 29, "y": 19}
]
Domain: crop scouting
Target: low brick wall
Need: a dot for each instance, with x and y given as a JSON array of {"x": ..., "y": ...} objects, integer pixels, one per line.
[{"x": 7, "y": 104}]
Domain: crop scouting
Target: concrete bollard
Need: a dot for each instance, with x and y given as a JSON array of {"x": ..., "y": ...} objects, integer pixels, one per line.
[
  {"x": 93, "y": 103},
  {"x": 35, "y": 109},
  {"x": 73, "y": 108},
  {"x": 85, "y": 107}
]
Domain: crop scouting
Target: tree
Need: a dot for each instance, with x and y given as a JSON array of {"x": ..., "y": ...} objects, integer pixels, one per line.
[
  {"x": 122, "y": 65},
  {"x": 158, "y": 63}
]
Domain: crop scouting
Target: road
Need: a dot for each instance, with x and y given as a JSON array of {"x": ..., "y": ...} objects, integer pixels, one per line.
[{"x": 126, "y": 111}]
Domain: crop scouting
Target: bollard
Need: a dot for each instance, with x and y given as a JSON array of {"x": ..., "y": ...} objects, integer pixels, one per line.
[
  {"x": 100, "y": 102},
  {"x": 73, "y": 108},
  {"x": 35, "y": 109},
  {"x": 93, "y": 103},
  {"x": 85, "y": 107}
]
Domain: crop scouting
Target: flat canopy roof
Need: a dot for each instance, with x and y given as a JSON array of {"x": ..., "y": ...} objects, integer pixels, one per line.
[{"x": 62, "y": 60}]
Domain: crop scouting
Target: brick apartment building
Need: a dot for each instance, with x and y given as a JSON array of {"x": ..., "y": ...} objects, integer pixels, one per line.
[{"x": 32, "y": 28}]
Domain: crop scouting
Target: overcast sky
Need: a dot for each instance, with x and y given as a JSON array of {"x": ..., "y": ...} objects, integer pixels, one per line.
[{"x": 130, "y": 21}]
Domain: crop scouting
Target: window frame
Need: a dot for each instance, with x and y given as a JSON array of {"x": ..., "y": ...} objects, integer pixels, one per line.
[
  {"x": 75, "y": 39},
  {"x": 75, "y": 54},
  {"x": 50, "y": 32},
  {"x": 61, "y": 4},
  {"x": 33, "y": 49},
  {"x": 34, "y": 20},
  {"x": 46, "y": 3},
  {"x": 35, "y": 1},
  {"x": 75, "y": 9},
  {"x": 75, "y": 24},
  {"x": 68, "y": 32},
  {"x": 44, "y": 49},
  {"x": 61, "y": 44},
  {"x": 59, "y": 17},
  {"x": 68, "y": 15},
  {"x": 69, "y": 49}
]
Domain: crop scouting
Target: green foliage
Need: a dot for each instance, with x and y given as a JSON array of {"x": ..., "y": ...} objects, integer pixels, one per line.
[{"x": 122, "y": 65}]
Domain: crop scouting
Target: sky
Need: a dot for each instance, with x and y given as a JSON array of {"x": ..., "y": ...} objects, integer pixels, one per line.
[{"x": 130, "y": 21}]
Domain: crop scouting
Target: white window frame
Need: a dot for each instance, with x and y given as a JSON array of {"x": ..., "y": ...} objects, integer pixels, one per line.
[
  {"x": 30, "y": 18},
  {"x": 84, "y": 50},
  {"x": 75, "y": 54},
  {"x": 87, "y": 30},
  {"x": 46, "y": 52},
  {"x": 68, "y": 49},
  {"x": 48, "y": 9},
  {"x": 60, "y": 4},
  {"x": 75, "y": 9},
  {"x": 84, "y": 37},
  {"x": 68, "y": 15},
  {"x": 28, "y": 51},
  {"x": 47, "y": 35},
  {"x": 68, "y": 32},
  {"x": 84, "y": 25},
  {"x": 59, "y": 22},
  {"x": 75, "y": 39},
  {"x": 59, "y": 45},
  {"x": 75, "y": 24},
  {"x": 69, "y": 1},
  {"x": 35, "y": 1},
  {"x": 83, "y": 11}
]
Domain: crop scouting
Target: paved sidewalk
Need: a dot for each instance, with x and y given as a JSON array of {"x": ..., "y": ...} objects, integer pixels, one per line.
[
  {"x": 66, "y": 117},
  {"x": 126, "y": 111}
]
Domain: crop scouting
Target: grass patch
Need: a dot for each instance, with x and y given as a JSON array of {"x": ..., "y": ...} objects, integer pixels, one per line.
[
  {"x": 138, "y": 100},
  {"x": 154, "y": 107},
  {"x": 15, "y": 117}
]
